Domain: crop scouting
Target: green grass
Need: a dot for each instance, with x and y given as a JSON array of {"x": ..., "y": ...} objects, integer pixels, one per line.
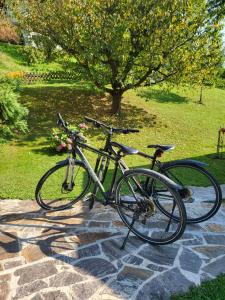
[
  {"x": 210, "y": 290},
  {"x": 173, "y": 118},
  {"x": 12, "y": 59}
]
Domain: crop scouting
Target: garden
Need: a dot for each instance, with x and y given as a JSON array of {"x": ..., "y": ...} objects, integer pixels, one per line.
[{"x": 172, "y": 96}]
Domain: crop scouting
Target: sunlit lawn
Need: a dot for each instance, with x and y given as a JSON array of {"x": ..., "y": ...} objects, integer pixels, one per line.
[{"x": 173, "y": 118}]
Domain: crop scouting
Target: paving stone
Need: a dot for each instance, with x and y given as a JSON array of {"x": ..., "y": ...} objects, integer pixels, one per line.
[
  {"x": 92, "y": 250},
  {"x": 215, "y": 268},
  {"x": 9, "y": 246},
  {"x": 112, "y": 248},
  {"x": 48, "y": 247},
  {"x": 65, "y": 278},
  {"x": 210, "y": 251},
  {"x": 163, "y": 255},
  {"x": 118, "y": 223},
  {"x": 37, "y": 271},
  {"x": 156, "y": 268},
  {"x": 37, "y": 297},
  {"x": 83, "y": 291},
  {"x": 215, "y": 239},
  {"x": 193, "y": 242},
  {"x": 55, "y": 295},
  {"x": 190, "y": 261},
  {"x": 4, "y": 286},
  {"x": 97, "y": 267},
  {"x": 99, "y": 224},
  {"x": 67, "y": 236},
  {"x": 134, "y": 274},
  {"x": 12, "y": 264},
  {"x": 128, "y": 280},
  {"x": 133, "y": 260},
  {"x": 164, "y": 285},
  {"x": 91, "y": 237},
  {"x": 194, "y": 227},
  {"x": 215, "y": 227},
  {"x": 106, "y": 216},
  {"x": 30, "y": 288}
]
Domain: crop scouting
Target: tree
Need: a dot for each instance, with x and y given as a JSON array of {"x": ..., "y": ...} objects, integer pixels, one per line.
[{"x": 124, "y": 44}]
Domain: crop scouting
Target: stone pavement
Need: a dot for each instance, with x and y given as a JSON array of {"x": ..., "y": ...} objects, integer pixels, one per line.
[{"x": 74, "y": 254}]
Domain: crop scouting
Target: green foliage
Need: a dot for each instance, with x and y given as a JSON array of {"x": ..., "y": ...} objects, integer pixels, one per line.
[
  {"x": 124, "y": 44},
  {"x": 12, "y": 113},
  {"x": 33, "y": 55}
]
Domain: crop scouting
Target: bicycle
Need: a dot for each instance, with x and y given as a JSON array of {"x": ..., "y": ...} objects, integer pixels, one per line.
[
  {"x": 69, "y": 181},
  {"x": 193, "y": 176}
]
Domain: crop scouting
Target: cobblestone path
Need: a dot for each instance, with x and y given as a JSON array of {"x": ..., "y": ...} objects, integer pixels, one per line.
[{"x": 74, "y": 254}]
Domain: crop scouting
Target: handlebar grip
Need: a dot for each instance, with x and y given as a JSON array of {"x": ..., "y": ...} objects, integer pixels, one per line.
[
  {"x": 94, "y": 122},
  {"x": 89, "y": 119},
  {"x": 133, "y": 130}
]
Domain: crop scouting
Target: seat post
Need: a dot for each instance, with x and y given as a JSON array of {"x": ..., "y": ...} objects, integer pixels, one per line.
[{"x": 158, "y": 153}]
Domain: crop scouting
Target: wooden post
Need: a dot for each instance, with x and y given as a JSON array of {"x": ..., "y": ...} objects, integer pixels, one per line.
[{"x": 220, "y": 143}]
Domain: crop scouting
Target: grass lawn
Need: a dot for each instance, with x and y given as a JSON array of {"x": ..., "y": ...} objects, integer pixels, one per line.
[
  {"x": 162, "y": 117},
  {"x": 12, "y": 59},
  {"x": 211, "y": 290}
]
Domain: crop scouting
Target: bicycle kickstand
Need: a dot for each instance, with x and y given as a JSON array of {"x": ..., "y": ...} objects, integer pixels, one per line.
[{"x": 126, "y": 238}]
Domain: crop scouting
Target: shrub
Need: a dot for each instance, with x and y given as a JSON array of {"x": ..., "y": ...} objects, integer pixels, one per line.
[
  {"x": 33, "y": 55},
  {"x": 12, "y": 114}
]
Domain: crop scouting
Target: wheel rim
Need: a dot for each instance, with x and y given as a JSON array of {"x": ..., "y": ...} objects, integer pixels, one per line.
[
  {"x": 204, "y": 200},
  {"x": 54, "y": 194},
  {"x": 153, "y": 227}
]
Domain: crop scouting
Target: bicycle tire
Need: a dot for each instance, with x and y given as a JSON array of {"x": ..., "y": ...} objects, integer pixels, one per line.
[
  {"x": 49, "y": 174},
  {"x": 154, "y": 232},
  {"x": 167, "y": 171}
]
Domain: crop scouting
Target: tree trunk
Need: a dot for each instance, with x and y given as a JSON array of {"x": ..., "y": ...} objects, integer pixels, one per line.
[
  {"x": 200, "y": 99},
  {"x": 116, "y": 101}
]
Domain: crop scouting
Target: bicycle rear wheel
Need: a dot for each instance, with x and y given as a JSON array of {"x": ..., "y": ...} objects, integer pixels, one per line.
[
  {"x": 203, "y": 194},
  {"x": 56, "y": 192},
  {"x": 137, "y": 206}
]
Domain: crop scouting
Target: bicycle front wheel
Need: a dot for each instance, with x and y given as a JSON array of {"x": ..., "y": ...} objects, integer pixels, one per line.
[
  {"x": 137, "y": 206},
  {"x": 203, "y": 194},
  {"x": 57, "y": 191}
]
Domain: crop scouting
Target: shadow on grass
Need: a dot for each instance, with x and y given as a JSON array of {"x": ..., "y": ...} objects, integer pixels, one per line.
[
  {"x": 214, "y": 165},
  {"x": 75, "y": 102},
  {"x": 162, "y": 96}
]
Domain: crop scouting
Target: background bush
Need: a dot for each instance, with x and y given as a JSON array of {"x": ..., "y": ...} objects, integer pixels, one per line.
[{"x": 12, "y": 114}]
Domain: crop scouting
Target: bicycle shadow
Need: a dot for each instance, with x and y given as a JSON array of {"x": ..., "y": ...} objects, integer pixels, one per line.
[
  {"x": 80, "y": 249},
  {"x": 67, "y": 238}
]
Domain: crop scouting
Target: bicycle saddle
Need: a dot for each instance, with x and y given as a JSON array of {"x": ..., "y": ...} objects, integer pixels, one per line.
[
  {"x": 162, "y": 147},
  {"x": 125, "y": 149}
]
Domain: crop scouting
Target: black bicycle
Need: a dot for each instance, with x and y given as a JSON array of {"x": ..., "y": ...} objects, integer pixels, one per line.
[
  {"x": 140, "y": 208},
  {"x": 201, "y": 192}
]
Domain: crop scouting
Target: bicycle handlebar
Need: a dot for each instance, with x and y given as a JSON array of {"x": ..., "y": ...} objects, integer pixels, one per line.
[
  {"x": 116, "y": 130},
  {"x": 64, "y": 125}
]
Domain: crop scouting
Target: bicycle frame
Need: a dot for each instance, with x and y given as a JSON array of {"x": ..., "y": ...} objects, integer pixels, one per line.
[{"x": 111, "y": 155}]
